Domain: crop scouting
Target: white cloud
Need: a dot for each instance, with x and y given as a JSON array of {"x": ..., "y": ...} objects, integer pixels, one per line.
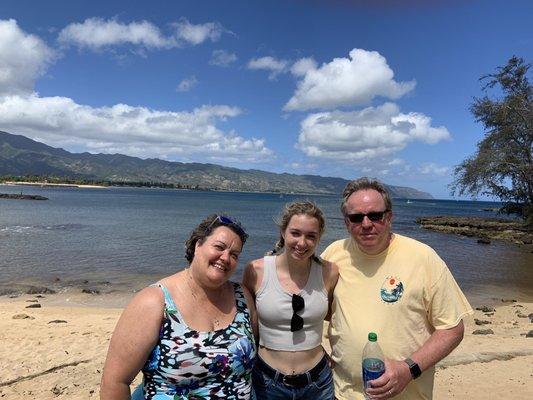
[
  {"x": 136, "y": 131},
  {"x": 303, "y": 166},
  {"x": 303, "y": 66},
  {"x": 433, "y": 169},
  {"x": 396, "y": 162},
  {"x": 222, "y": 58},
  {"x": 187, "y": 84},
  {"x": 347, "y": 81},
  {"x": 97, "y": 33},
  {"x": 23, "y": 58},
  {"x": 359, "y": 136},
  {"x": 196, "y": 34},
  {"x": 268, "y": 63}
]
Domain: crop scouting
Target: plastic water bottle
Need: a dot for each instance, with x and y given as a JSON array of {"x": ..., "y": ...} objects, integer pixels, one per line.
[{"x": 373, "y": 365}]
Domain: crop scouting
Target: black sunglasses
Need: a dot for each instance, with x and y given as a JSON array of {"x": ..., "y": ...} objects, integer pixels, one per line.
[
  {"x": 298, "y": 304},
  {"x": 227, "y": 221},
  {"x": 374, "y": 216}
]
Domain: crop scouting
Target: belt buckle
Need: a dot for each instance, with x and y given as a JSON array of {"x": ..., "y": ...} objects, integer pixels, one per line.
[{"x": 287, "y": 378}]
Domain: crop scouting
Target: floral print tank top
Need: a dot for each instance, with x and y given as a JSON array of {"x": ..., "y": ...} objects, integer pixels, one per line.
[{"x": 188, "y": 364}]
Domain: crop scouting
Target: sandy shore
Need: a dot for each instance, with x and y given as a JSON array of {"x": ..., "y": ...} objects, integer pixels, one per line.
[{"x": 58, "y": 351}]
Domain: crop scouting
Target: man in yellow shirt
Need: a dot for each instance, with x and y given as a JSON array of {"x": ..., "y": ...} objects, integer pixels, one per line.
[{"x": 394, "y": 286}]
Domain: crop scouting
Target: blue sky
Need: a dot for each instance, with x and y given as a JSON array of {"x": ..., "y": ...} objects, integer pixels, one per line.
[{"x": 332, "y": 88}]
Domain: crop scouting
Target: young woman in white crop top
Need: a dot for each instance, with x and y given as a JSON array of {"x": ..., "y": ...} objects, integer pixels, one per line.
[{"x": 293, "y": 290}]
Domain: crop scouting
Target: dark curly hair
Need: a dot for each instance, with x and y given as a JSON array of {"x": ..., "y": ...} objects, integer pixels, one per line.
[{"x": 206, "y": 228}]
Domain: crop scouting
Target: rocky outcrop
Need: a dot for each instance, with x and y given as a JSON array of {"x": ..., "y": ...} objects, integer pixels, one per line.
[
  {"x": 484, "y": 228},
  {"x": 22, "y": 196}
]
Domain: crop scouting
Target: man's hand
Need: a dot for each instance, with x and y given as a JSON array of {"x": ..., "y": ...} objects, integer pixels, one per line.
[{"x": 392, "y": 382}]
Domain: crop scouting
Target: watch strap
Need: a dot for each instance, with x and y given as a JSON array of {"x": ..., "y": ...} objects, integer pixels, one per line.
[{"x": 414, "y": 368}]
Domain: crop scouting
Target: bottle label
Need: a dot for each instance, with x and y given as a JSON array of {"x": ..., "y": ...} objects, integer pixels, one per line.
[{"x": 373, "y": 368}]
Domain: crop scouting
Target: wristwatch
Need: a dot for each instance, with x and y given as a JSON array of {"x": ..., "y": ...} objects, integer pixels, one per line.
[{"x": 414, "y": 368}]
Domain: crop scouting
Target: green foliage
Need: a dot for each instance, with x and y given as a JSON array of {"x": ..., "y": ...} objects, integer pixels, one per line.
[{"x": 502, "y": 166}]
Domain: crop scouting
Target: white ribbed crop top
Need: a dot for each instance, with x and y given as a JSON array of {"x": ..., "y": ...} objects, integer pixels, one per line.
[{"x": 274, "y": 309}]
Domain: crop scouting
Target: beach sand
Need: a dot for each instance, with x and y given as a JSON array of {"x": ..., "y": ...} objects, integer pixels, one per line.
[{"x": 42, "y": 357}]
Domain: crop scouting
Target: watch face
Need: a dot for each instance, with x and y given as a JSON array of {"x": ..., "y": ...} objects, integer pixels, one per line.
[{"x": 414, "y": 368}]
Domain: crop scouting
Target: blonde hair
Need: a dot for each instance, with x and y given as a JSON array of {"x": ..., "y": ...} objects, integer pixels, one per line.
[{"x": 298, "y": 208}]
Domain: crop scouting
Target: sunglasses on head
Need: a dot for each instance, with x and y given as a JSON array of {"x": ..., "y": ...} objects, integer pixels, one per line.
[
  {"x": 374, "y": 216},
  {"x": 298, "y": 304},
  {"x": 227, "y": 221}
]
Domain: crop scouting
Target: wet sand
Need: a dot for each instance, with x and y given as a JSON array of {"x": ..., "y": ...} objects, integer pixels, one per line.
[{"x": 58, "y": 351}]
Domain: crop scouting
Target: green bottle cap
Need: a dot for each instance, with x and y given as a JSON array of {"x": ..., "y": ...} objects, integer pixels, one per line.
[{"x": 372, "y": 337}]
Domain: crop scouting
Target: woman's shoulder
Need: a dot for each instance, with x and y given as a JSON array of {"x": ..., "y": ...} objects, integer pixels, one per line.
[
  {"x": 147, "y": 305},
  {"x": 155, "y": 294},
  {"x": 330, "y": 272},
  {"x": 257, "y": 265},
  {"x": 151, "y": 296},
  {"x": 253, "y": 274}
]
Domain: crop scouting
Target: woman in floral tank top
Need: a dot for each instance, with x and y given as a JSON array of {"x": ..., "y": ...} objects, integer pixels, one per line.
[{"x": 192, "y": 333}]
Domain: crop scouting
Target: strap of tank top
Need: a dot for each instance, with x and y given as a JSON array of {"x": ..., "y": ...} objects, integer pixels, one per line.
[
  {"x": 269, "y": 268},
  {"x": 239, "y": 297},
  {"x": 316, "y": 277},
  {"x": 170, "y": 306}
]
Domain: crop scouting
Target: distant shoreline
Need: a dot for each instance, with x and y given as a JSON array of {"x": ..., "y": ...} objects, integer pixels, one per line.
[
  {"x": 220, "y": 190},
  {"x": 47, "y": 184}
]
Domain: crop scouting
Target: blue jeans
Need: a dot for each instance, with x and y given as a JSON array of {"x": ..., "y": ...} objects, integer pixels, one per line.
[{"x": 267, "y": 388}]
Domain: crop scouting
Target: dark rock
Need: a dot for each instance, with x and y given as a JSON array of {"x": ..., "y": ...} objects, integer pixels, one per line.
[
  {"x": 32, "y": 301},
  {"x": 40, "y": 296},
  {"x": 484, "y": 228},
  {"x": 530, "y": 316},
  {"x": 22, "y": 316},
  {"x": 529, "y": 334},
  {"x": 34, "y": 306},
  {"x": 508, "y": 301},
  {"x": 490, "y": 314},
  {"x": 56, "y": 391},
  {"x": 483, "y": 332},
  {"x": 57, "y": 279},
  {"x": 21, "y": 196},
  {"x": 485, "y": 309},
  {"x": 520, "y": 315},
  {"x": 40, "y": 290},
  {"x": 91, "y": 291},
  {"x": 57, "y": 321},
  {"x": 481, "y": 322}
]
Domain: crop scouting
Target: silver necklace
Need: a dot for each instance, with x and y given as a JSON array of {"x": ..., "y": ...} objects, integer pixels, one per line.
[{"x": 216, "y": 321}]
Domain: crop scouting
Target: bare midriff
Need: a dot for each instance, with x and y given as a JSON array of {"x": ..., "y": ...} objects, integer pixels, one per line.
[{"x": 291, "y": 362}]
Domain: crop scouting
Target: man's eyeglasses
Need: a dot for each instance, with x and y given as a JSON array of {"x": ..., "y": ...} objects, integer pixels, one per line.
[
  {"x": 298, "y": 304},
  {"x": 374, "y": 216},
  {"x": 224, "y": 220}
]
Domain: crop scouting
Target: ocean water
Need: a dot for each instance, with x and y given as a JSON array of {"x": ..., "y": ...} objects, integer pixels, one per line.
[{"x": 125, "y": 238}]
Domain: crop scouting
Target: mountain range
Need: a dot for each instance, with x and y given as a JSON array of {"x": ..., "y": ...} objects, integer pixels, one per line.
[{"x": 21, "y": 156}]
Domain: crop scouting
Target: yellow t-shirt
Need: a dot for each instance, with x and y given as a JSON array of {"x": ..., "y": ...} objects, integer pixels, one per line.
[{"x": 403, "y": 294}]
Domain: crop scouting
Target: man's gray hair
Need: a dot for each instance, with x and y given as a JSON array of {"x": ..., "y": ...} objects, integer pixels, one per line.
[{"x": 365, "y": 183}]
